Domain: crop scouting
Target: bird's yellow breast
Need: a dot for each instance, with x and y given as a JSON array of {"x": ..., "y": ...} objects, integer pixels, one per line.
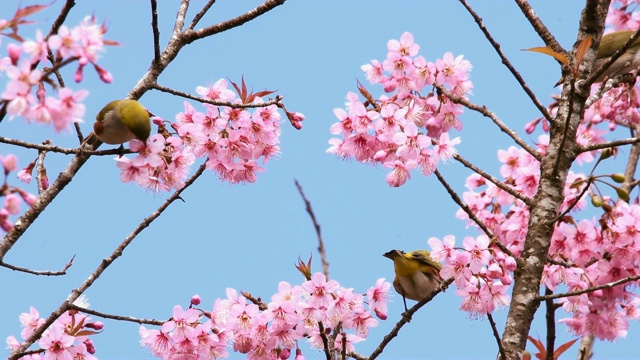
[{"x": 405, "y": 267}]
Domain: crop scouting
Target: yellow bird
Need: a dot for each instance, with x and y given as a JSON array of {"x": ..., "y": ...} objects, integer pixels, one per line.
[{"x": 417, "y": 274}]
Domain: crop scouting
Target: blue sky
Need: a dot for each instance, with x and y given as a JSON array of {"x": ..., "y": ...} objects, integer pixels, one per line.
[{"x": 249, "y": 236}]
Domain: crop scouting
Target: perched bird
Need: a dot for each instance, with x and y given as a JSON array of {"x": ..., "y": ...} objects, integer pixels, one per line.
[
  {"x": 417, "y": 275},
  {"x": 609, "y": 44},
  {"x": 121, "y": 121}
]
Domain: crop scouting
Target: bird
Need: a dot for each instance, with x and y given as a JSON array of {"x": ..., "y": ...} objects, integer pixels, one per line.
[
  {"x": 121, "y": 121},
  {"x": 417, "y": 274},
  {"x": 609, "y": 44}
]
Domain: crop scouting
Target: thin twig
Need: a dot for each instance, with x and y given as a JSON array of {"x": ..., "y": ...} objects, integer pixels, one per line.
[
  {"x": 182, "y": 14},
  {"x": 540, "y": 28},
  {"x": 596, "y": 73},
  {"x": 38, "y": 272},
  {"x": 610, "y": 144},
  {"x": 550, "y": 317},
  {"x": 218, "y": 103},
  {"x": 575, "y": 202},
  {"x": 62, "y": 16},
  {"x": 256, "y": 301},
  {"x": 198, "y": 17},
  {"x": 325, "y": 341},
  {"x": 41, "y": 172},
  {"x": 316, "y": 225},
  {"x": 406, "y": 317},
  {"x": 485, "y": 112},
  {"x": 61, "y": 150},
  {"x": 511, "y": 191},
  {"x": 496, "y": 335},
  {"x": 496, "y": 46},
  {"x": 471, "y": 215},
  {"x": 55, "y": 27},
  {"x": 632, "y": 164},
  {"x": 588, "y": 290},
  {"x": 156, "y": 32},
  {"x": 358, "y": 356},
  {"x": 268, "y": 5},
  {"x": 104, "y": 264},
  {"x": 117, "y": 317}
]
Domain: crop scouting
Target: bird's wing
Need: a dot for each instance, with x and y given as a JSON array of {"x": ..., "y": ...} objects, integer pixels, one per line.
[
  {"x": 425, "y": 259},
  {"x": 429, "y": 265}
]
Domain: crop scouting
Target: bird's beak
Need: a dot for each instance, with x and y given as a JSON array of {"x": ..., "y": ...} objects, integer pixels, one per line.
[
  {"x": 390, "y": 254},
  {"x": 559, "y": 82}
]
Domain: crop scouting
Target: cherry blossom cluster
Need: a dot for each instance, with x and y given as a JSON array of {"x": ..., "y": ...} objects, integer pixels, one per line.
[
  {"x": 25, "y": 90},
  {"x": 404, "y": 129},
  {"x": 66, "y": 338},
  {"x": 622, "y": 15},
  {"x": 236, "y": 141},
  {"x": 583, "y": 253},
  {"x": 600, "y": 251},
  {"x": 315, "y": 310},
  {"x": 481, "y": 272},
  {"x": 13, "y": 196},
  {"x": 161, "y": 164}
]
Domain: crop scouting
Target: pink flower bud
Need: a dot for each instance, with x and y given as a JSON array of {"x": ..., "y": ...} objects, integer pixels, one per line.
[
  {"x": 29, "y": 198},
  {"x": 96, "y": 325},
  {"x": 284, "y": 354},
  {"x": 90, "y": 348},
  {"x": 380, "y": 314},
  {"x": 6, "y": 225},
  {"x": 545, "y": 125},
  {"x": 195, "y": 300},
  {"x": 12, "y": 204},
  {"x": 77, "y": 77},
  {"x": 136, "y": 145},
  {"x": 44, "y": 180},
  {"x": 10, "y": 162},
  {"x": 14, "y": 51},
  {"x": 105, "y": 76},
  {"x": 531, "y": 126},
  {"x": 25, "y": 174},
  {"x": 41, "y": 93}
]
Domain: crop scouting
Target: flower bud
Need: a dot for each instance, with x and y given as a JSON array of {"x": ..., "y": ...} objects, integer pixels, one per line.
[
  {"x": 619, "y": 178},
  {"x": 622, "y": 194}
]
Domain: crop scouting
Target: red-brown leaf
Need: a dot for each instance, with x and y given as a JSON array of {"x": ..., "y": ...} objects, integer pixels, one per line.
[
  {"x": 548, "y": 51},
  {"x": 585, "y": 44}
]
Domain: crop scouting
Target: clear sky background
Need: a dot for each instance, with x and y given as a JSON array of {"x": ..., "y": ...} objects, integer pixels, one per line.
[{"x": 249, "y": 236}]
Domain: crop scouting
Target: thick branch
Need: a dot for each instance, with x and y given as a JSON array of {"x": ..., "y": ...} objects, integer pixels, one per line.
[{"x": 549, "y": 197}]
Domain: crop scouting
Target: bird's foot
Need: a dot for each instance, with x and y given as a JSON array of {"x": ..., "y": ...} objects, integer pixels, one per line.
[{"x": 406, "y": 316}]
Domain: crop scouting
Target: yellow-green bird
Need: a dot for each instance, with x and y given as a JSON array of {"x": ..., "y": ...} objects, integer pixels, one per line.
[
  {"x": 609, "y": 44},
  {"x": 121, "y": 121},
  {"x": 417, "y": 274}
]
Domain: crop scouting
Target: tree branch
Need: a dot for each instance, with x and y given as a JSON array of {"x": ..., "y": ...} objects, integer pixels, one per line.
[
  {"x": 316, "y": 225},
  {"x": 496, "y": 46},
  {"x": 104, "y": 264},
  {"x": 485, "y": 112}
]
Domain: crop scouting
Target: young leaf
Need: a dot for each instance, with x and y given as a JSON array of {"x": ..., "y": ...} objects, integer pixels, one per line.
[{"x": 548, "y": 51}]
